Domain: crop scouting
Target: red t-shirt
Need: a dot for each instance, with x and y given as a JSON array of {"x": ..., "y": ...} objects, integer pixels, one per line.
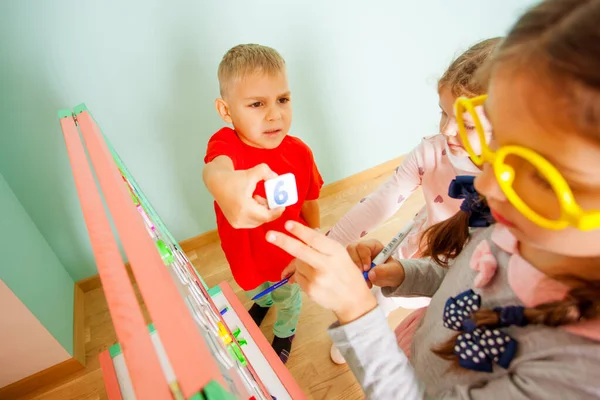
[{"x": 251, "y": 258}]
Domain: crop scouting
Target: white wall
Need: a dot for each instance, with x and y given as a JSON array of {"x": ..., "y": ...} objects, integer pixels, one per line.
[{"x": 363, "y": 77}]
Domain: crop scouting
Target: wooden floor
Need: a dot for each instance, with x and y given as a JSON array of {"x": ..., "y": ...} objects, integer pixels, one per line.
[{"x": 309, "y": 362}]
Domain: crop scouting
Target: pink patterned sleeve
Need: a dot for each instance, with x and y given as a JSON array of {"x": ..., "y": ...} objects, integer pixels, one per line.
[{"x": 383, "y": 203}]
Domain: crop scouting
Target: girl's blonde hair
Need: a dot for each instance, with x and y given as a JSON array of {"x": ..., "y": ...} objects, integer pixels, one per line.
[{"x": 461, "y": 76}]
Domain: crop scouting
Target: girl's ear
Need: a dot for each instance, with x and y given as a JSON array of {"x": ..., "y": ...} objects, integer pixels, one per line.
[{"x": 223, "y": 110}]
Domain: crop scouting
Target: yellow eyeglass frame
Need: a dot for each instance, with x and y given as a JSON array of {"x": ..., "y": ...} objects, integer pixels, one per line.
[{"x": 571, "y": 214}]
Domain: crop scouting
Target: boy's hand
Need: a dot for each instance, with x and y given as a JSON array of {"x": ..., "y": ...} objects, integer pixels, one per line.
[{"x": 233, "y": 191}]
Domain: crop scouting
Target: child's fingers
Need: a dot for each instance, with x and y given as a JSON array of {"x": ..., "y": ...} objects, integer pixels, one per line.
[
  {"x": 368, "y": 282},
  {"x": 306, "y": 278},
  {"x": 290, "y": 271},
  {"x": 275, "y": 212},
  {"x": 313, "y": 238},
  {"x": 296, "y": 248},
  {"x": 390, "y": 273},
  {"x": 261, "y": 172},
  {"x": 362, "y": 253},
  {"x": 302, "y": 281},
  {"x": 372, "y": 276},
  {"x": 374, "y": 246},
  {"x": 261, "y": 214},
  {"x": 260, "y": 200}
]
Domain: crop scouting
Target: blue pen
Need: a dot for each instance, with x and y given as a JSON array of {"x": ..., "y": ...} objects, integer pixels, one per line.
[
  {"x": 389, "y": 249},
  {"x": 271, "y": 288}
]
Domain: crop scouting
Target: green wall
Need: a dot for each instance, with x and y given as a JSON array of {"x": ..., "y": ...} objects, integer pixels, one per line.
[
  {"x": 33, "y": 272},
  {"x": 363, "y": 77}
]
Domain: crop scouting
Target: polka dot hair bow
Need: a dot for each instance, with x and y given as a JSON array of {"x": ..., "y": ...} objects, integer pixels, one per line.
[
  {"x": 477, "y": 348},
  {"x": 463, "y": 188}
]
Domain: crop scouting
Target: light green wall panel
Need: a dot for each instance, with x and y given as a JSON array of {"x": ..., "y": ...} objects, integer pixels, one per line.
[
  {"x": 363, "y": 77},
  {"x": 33, "y": 272}
]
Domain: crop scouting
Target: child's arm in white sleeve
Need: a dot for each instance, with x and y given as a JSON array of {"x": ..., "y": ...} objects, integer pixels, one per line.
[
  {"x": 380, "y": 367},
  {"x": 384, "y": 372},
  {"x": 381, "y": 204}
]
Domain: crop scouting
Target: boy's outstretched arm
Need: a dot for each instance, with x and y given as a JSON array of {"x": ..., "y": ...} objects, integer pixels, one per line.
[
  {"x": 311, "y": 213},
  {"x": 233, "y": 191}
]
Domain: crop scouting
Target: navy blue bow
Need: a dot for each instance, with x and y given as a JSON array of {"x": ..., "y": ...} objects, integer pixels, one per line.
[
  {"x": 478, "y": 347},
  {"x": 462, "y": 188}
]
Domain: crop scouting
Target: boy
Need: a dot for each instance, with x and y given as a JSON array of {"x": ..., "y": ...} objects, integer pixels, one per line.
[{"x": 255, "y": 99}]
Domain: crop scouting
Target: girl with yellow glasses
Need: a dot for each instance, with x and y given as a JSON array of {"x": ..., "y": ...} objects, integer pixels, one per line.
[
  {"x": 517, "y": 313},
  {"x": 532, "y": 184}
]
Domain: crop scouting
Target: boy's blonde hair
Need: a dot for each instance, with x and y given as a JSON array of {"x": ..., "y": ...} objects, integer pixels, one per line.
[
  {"x": 245, "y": 59},
  {"x": 463, "y": 77}
]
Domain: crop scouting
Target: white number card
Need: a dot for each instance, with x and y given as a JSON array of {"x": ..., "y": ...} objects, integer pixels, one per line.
[{"x": 281, "y": 191}]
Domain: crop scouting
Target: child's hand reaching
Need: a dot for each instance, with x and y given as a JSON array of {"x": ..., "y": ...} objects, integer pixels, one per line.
[
  {"x": 233, "y": 191},
  {"x": 390, "y": 273},
  {"x": 325, "y": 271}
]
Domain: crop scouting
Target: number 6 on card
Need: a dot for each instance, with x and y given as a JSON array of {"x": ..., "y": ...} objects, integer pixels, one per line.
[{"x": 281, "y": 191}]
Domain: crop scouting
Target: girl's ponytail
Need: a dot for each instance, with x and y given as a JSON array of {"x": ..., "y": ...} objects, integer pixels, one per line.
[
  {"x": 445, "y": 240},
  {"x": 581, "y": 303}
]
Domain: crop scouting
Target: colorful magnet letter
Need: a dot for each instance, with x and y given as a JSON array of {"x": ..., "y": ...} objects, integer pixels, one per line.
[
  {"x": 236, "y": 352},
  {"x": 165, "y": 252},
  {"x": 224, "y": 334}
]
